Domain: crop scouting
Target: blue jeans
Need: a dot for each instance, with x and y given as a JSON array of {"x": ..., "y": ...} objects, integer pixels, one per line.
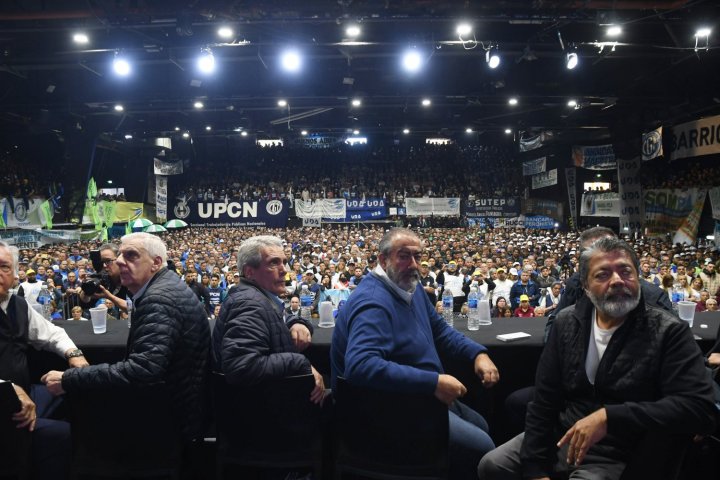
[{"x": 469, "y": 441}]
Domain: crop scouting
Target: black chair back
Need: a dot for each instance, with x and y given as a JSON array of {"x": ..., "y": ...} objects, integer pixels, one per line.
[
  {"x": 388, "y": 435},
  {"x": 270, "y": 425},
  {"x": 127, "y": 432}
]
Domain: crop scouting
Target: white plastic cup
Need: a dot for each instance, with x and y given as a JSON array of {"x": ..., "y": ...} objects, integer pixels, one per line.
[
  {"x": 686, "y": 311},
  {"x": 98, "y": 315},
  {"x": 326, "y": 315},
  {"x": 484, "y": 312}
]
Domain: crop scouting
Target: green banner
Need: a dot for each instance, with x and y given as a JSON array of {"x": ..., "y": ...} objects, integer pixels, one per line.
[{"x": 47, "y": 212}]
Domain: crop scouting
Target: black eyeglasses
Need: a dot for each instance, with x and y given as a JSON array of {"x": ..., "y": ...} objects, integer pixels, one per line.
[{"x": 108, "y": 261}]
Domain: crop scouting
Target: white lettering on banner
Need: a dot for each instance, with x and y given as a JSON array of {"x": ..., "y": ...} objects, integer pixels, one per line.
[
  {"x": 233, "y": 209},
  {"x": 631, "y": 203},
  {"x": 572, "y": 195},
  {"x": 601, "y": 157},
  {"x": 312, "y": 222},
  {"x": 693, "y": 139},
  {"x": 545, "y": 179},
  {"x": 678, "y": 211},
  {"x": 372, "y": 203}
]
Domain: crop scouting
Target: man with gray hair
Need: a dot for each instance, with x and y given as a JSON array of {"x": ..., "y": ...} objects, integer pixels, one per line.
[
  {"x": 168, "y": 342},
  {"x": 614, "y": 372},
  {"x": 251, "y": 341}
]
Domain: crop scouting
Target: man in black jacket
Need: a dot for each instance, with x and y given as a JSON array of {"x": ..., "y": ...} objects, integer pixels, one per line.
[
  {"x": 613, "y": 372},
  {"x": 169, "y": 338},
  {"x": 251, "y": 342}
]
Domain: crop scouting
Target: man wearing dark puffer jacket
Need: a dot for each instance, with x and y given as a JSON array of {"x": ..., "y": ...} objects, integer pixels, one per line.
[
  {"x": 251, "y": 341},
  {"x": 169, "y": 339}
]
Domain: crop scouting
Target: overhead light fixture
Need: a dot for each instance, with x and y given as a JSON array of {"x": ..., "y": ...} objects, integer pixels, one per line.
[
  {"x": 352, "y": 31},
  {"x": 282, "y": 103},
  {"x": 291, "y": 61},
  {"x": 118, "y": 108},
  {"x": 303, "y": 133},
  {"x": 571, "y": 60},
  {"x": 206, "y": 61},
  {"x": 614, "y": 31},
  {"x": 243, "y": 133},
  {"x": 412, "y": 61},
  {"x": 198, "y": 105},
  {"x": 513, "y": 101},
  {"x": 702, "y": 33},
  {"x": 468, "y": 130},
  {"x": 208, "y": 127},
  {"x": 356, "y": 102},
  {"x": 406, "y": 131},
  {"x": 463, "y": 30},
  {"x": 81, "y": 38},
  {"x": 109, "y": 182},
  {"x": 508, "y": 131},
  {"x": 491, "y": 57},
  {"x": 121, "y": 66},
  {"x": 186, "y": 135},
  {"x": 572, "y": 103},
  {"x": 128, "y": 136},
  {"x": 177, "y": 129},
  {"x": 356, "y": 132},
  {"x": 225, "y": 32},
  {"x": 425, "y": 102}
]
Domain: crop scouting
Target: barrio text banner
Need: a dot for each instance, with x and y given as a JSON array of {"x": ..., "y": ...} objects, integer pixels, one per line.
[{"x": 693, "y": 139}]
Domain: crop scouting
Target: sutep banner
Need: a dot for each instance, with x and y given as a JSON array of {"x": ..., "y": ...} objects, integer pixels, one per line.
[
  {"x": 493, "y": 207},
  {"x": 245, "y": 213}
]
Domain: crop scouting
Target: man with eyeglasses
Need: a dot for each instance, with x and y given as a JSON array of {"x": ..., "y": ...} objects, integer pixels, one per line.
[
  {"x": 115, "y": 291},
  {"x": 22, "y": 327}
]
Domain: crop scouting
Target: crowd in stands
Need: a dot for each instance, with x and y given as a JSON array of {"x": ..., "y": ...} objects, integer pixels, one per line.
[
  {"x": 520, "y": 271},
  {"x": 394, "y": 173}
]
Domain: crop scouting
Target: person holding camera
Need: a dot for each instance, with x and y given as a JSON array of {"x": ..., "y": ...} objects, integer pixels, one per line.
[{"x": 105, "y": 283}]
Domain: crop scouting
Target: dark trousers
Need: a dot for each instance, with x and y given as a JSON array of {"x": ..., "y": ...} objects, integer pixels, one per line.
[{"x": 51, "y": 450}]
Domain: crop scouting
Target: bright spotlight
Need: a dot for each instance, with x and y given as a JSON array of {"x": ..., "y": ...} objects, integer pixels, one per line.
[
  {"x": 243, "y": 133},
  {"x": 225, "y": 32},
  {"x": 186, "y": 135},
  {"x": 303, "y": 132},
  {"x": 572, "y": 103},
  {"x": 208, "y": 127},
  {"x": 463, "y": 29},
  {"x": 177, "y": 129},
  {"x": 703, "y": 32},
  {"x": 128, "y": 137},
  {"x": 119, "y": 108},
  {"x": 291, "y": 61},
  {"x": 206, "y": 62},
  {"x": 492, "y": 58},
  {"x": 406, "y": 131},
  {"x": 468, "y": 130},
  {"x": 352, "y": 31},
  {"x": 513, "y": 101},
  {"x": 426, "y": 102},
  {"x": 356, "y": 132},
  {"x": 81, "y": 38},
  {"x": 121, "y": 66},
  {"x": 572, "y": 60},
  {"x": 508, "y": 131},
  {"x": 282, "y": 103},
  {"x": 356, "y": 102},
  {"x": 412, "y": 61},
  {"x": 614, "y": 31},
  {"x": 198, "y": 105}
]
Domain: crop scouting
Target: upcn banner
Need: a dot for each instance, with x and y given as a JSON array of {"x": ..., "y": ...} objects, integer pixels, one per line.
[
  {"x": 674, "y": 211},
  {"x": 692, "y": 139},
  {"x": 492, "y": 207},
  {"x": 244, "y": 213}
]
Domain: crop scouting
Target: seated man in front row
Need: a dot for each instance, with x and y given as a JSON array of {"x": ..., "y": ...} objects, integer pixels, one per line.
[
  {"x": 614, "y": 370},
  {"x": 388, "y": 335}
]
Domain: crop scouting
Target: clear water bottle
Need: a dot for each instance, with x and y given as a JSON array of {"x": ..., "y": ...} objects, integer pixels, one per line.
[
  {"x": 305, "y": 303},
  {"x": 678, "y": 295},
  {"x": 45, "y": 300},
  {"x": 473, "y": 313},
  {"x": 447, "y": 303},
  {"x": 129, "y": 303}
]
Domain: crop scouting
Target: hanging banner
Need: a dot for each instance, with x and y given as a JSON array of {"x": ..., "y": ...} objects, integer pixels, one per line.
[
  {"x": 714, "y": 194},
  {"x": 531, "y": 143},
  {"x": 599, "y": 157},
  {"x": 570, "y": 180},
  {"x": 242, "y": 213},
  {"x": 631, "y": 200},
  {"x": 693, "y": 139},
  {"x": 124, "y": 212},
  {"x": 360, "y": 209},
  {"x": 29, "y": 216},
  {"x": 652, "y": 146},
  {"x": 167, "y": 168},
  {"x": 673, "y": 211},
  {"x": 22, "y": 238},
  {"x": 331, "y": 208},
  {"x": 536, "y": 206},
  {"x": 161, "y": 198},
  {"x": 432, "y": 206},
  {"x": 533, "y": 167},
  {"x": 521, "y": 221},
  {"x": 311, "y": 222},
  {"x": 546, "y": 179},
  {"x": 492, "y": 207},
  {"x": 716, "y": 234},
  {"x": 318, "y": 141},
  {"x": 600, "y": 205}
]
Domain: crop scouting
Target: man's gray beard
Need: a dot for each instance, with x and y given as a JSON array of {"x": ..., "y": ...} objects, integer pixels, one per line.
[
  {"x": 4, "y": 298},
  {"x": 405, "y": 285},
  {"x": 615, "y": 308}
]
